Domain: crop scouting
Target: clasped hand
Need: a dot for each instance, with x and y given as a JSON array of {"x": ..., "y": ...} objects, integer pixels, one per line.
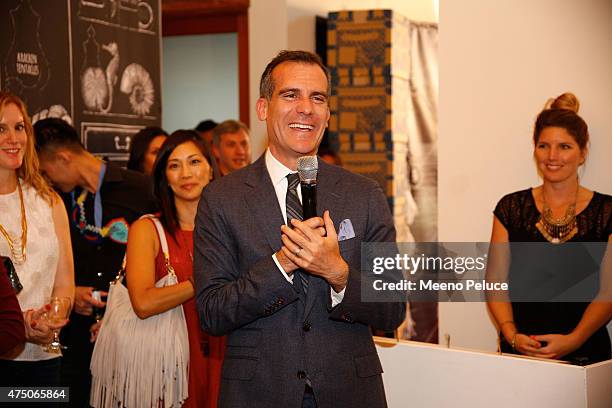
[
  {"x": 557, "y": 345},
  {"x": 38, "y": 329},
  {"x": 313, "y": 246}
]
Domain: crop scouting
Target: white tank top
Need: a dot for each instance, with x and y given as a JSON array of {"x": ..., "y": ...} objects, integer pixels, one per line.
[{"x": 37, "y": 274}]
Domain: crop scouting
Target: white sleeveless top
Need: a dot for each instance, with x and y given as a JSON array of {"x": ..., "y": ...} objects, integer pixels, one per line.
[{"x": 37, "y": 274}]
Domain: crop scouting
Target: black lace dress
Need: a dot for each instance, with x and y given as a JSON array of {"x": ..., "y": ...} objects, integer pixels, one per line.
[{"x": 519, "y": 214}]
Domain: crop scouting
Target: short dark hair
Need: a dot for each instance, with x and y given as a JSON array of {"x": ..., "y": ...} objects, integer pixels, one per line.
[
  {"x": 54, "y": 133},
  {"x": 228, "y": 126},
  {"x": 140, "y": 144},
  {"x": 266, "y": 84},
  {"x": 161, "y": 189},
  {"x": 206, "y": 125}
]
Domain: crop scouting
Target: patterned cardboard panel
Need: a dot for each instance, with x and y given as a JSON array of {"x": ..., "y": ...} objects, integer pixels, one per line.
[
  {"x": 367, "y": 43},
  {"x": 368, "y": 57},
  {"x": 373, "y": 76},
  {"x": 378, "y": 142},
  {"x": 377, "y": 166},
  {"x": 358, "y": 41},
  {"x": 361, "y": 109}
]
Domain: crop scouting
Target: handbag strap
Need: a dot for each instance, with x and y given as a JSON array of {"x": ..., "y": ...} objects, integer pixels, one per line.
[
  {"x": 164, "y": 247},
  {"x": 164, "y": 244}
]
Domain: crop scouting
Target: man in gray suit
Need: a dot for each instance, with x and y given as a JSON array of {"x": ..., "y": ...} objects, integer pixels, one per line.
[{"x": 289, "y": 298}]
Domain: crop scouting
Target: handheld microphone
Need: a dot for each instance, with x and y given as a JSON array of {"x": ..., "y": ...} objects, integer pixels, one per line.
[{"x": 307, "y": 167}]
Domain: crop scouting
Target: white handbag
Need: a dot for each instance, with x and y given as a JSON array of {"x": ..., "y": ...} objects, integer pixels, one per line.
[{"x": 140, "y": 362}]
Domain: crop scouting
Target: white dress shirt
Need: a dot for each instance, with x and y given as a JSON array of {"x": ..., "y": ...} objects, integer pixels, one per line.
[{"x": 278, "y": 173}]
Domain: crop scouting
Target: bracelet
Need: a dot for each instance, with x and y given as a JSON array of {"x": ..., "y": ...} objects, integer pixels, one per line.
[
  {"x": 506, "y": 322},
  {"x": 514, "y": 341}
]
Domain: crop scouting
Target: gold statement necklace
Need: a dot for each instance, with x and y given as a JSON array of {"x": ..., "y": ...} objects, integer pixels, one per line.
[
  {"x": 18, "y": 247},
  {"x": 559, "y": 230}
]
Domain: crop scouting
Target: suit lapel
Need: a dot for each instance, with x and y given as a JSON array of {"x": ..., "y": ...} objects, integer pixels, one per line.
[
  {"x": 329, "y": 197},
  {"x": 263, "y": 204}
]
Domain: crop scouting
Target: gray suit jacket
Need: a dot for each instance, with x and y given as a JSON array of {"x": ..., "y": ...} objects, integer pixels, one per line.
[{"x": 276, "y": 337}]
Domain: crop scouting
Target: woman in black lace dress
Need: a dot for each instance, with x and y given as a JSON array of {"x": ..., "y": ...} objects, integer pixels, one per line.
[{"x": 558, "y": 211}]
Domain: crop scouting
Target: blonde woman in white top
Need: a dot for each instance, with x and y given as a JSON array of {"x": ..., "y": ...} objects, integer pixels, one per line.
[{"x": 36, "y": 236}]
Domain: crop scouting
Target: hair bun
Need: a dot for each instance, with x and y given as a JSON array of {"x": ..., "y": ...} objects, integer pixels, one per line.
[{"x": 566, "y": 100}]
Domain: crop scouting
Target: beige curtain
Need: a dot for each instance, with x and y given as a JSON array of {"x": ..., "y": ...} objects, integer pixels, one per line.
[
  {"x": 423, "y": 128},
  {"x": 422, "y": 319}
]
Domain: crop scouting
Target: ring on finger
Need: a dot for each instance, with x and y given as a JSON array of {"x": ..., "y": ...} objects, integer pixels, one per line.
[{"x": 297, "y": 253}]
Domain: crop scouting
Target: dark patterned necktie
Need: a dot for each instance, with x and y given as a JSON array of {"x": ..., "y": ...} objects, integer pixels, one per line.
[{"x": 294, "y": 211}]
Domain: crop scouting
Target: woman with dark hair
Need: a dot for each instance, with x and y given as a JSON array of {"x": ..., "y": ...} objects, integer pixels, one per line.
[
  {"x": 535, "y": 320},
  {"x": 180, "y": 174},
  {"x": 144, "y": 147}
]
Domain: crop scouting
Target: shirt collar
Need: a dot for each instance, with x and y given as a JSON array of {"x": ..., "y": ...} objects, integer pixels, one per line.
[{"x": 277, "y": 170}]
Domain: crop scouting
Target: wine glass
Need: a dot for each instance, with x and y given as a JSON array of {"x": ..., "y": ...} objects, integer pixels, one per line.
[{"x": 59, "y": 311}]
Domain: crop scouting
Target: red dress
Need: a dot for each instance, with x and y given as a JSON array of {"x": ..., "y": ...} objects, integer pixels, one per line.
[{"x": 205, "y": 351}]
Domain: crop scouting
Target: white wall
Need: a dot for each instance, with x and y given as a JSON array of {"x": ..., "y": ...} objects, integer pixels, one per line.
[
  {"x": 200, "y": 79},
  {"x": 499, "y": 62},
  {"x": 267, "y": 36}
]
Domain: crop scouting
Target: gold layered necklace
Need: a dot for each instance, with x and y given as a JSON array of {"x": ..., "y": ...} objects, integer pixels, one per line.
[
  {"x": 18, "y": 247},
  {"x": 558, "y": 230}
]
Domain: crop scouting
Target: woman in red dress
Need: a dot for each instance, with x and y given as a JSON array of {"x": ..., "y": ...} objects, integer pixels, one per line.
[{"x": 180, "y": 173}]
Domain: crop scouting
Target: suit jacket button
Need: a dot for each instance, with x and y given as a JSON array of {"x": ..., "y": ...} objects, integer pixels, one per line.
[
  {"x": 306, "y": 327},
  {"x": 301, "y": 374}
]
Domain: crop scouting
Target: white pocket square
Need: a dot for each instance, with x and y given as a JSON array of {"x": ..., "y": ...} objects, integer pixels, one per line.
[{"x": 346, "y": 231}]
